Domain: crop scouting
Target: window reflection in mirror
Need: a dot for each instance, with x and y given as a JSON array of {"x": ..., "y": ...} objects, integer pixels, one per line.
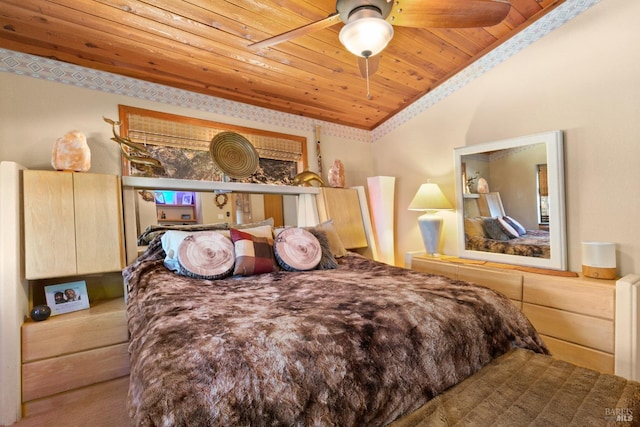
[{"x": 543, "y": 196}]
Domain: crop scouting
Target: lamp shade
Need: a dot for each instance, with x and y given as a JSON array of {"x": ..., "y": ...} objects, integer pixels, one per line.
[
  {"x": 366, "y": 34},
  {"x": 429, "y": 198},
  {"x": 599, "y": 260}
]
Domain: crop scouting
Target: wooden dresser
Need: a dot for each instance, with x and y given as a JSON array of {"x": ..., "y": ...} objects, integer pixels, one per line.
[{"x": 574, "y": 315}]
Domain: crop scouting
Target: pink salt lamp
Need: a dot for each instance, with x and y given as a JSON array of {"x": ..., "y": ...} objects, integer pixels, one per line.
[{"x": 71, "y": 153}]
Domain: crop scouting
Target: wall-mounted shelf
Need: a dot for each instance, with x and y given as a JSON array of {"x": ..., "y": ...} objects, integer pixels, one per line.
[
  {"x": 179, "y": 209},
  {"x": 239, "y": 187}
]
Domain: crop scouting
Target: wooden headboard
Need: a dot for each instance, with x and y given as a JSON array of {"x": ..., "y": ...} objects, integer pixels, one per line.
[
  {"x": 342, "y": 205},
  {"x": 486, "y": 204}
]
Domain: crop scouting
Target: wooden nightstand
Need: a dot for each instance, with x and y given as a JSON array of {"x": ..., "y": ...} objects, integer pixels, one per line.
[
  {"x": 72, "y": 351},
  {"x": 574, "y": 315}
]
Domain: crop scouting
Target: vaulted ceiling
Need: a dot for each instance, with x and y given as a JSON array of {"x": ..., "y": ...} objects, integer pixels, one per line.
[{"x": 203, "y": 46}]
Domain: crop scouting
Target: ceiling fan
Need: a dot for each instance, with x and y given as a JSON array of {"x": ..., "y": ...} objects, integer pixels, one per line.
[{"x": 369, "y": 23}]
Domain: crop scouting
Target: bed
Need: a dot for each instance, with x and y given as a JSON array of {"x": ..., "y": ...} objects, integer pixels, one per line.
[
  {"x": 363, "y": 343},
  {"x": 488, "y": 228},
  {"x": 533, "y": 243}
]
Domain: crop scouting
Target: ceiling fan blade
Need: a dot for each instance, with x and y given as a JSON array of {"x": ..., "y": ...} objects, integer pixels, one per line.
[
  {"x": 374, "y": 63},
  {"x": 448, "y": 13},
  {"x": 330, "y": 20}
]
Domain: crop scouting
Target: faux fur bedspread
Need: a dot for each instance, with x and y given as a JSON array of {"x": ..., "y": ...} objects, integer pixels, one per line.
[
  {"x": 533, "y": 244},
  {"x": 522, "y": 388},
  {"x": 359, "y": 345}
]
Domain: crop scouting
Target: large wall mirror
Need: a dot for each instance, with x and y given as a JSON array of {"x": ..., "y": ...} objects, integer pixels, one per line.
[
  {"x": 179, "y": 207},
  {"x": 510, "y": 198},
  {"x": 169, "y": 202}
]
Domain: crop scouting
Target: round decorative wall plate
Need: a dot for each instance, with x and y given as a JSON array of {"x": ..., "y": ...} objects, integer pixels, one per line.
[
  {"x": 234, "y": 155},
  {"x": 220, "y": 200}
]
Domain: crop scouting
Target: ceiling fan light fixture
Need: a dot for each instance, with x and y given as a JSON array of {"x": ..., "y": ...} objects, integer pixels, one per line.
[{"x": 366, "y": 34}]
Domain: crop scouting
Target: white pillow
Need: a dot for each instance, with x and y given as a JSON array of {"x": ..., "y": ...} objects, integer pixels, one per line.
[
  {"x": 515, "y": 224},
  {"x": 507, "y": 228},
  {"x": 171, "y": 241}
]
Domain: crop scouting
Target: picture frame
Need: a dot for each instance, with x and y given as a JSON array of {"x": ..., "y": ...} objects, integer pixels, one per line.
[
  {"x": 67, "y": 297},
  {"x": 187, "y": 156},
  {"x": 187, "y": 199},
  {"x": 185, "y": 216},
  {"x": 159, "y": 198}
]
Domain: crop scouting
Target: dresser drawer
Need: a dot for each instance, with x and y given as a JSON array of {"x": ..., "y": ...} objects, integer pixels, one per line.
[
  {"x": 575, "y": 295},
  {"x": 508, "y": 284},
  {"x": 575, "y": 328},
  {"x": 435, "y": 267},
  {"x": 580, "y": 355}
]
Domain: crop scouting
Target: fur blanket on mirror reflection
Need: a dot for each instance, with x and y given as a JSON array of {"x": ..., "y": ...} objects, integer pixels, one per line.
[
  {"x": 359, "y": 345},
  {"x": 535, "y": 243}
]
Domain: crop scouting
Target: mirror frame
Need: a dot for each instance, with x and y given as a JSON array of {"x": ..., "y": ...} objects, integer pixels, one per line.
[{"x": 557, "y": 224}]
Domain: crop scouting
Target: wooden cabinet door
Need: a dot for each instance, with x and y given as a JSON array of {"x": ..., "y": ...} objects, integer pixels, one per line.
[
  {"x": 73, "y": 224},
  {"x": 342, "y": 205},
  {"x": 49, "y": 243},
  {"x": 98, "y": 224}
]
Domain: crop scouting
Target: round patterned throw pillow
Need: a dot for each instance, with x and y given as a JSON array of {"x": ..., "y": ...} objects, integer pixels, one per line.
[
  {"x": 297, "y": 249},
  {"x": 206, "y": 255}
]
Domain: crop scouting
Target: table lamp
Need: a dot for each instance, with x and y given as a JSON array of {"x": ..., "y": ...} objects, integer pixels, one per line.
[{"x": 430, "y": 199}]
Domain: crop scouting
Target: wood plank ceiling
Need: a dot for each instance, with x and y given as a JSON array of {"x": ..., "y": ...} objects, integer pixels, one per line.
[{"x": 202, "y": 46}]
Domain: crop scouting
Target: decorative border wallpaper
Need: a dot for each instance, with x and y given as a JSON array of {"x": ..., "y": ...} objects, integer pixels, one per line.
[{"x": 43, "y": 68}]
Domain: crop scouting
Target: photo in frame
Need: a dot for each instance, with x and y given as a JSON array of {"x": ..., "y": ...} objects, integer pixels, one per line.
[{"x": 67, "y": 297}]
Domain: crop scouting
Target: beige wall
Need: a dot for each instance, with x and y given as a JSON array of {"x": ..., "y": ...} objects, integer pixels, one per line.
[
  {"x": 36, "y": 112},
  {"x": 514, "y": 176},
  {"x": 583, "y": 79}
]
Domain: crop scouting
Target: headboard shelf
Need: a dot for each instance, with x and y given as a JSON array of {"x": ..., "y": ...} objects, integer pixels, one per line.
[{"x": 141, "y": 183}]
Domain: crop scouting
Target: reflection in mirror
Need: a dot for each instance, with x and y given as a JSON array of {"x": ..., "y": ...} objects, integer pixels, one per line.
[
  {"x": 519, "y": 218},
  {"x": 212, "y": 202},
  {"x": 543, "y": 196},
  {"x": 171, "y": 207}
]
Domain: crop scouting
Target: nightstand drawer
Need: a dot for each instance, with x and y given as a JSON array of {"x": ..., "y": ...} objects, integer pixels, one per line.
[
  {"x": 58, "y": 374},
  {"x": 101, "y": 325}
]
